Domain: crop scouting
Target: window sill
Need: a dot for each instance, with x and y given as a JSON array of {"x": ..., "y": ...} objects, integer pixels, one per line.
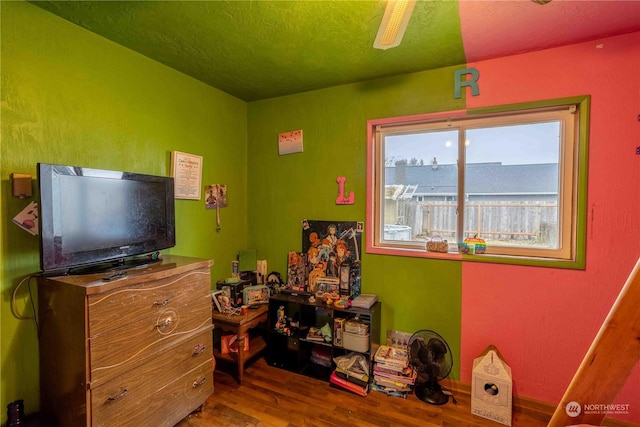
[{"x": 485, "y": 258}]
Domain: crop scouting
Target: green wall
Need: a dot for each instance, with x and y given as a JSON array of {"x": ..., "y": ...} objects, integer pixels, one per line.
[
  {"x": 72, "y": 97},
  {"x": 284, "y": 190},
  {"x": 69, "y": 96}
]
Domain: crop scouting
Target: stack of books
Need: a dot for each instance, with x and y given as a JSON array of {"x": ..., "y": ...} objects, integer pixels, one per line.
[
  {"x": 364, "y": 300},
  {"x": 392, "y": 374},
  {"x": 351, "y": 373}
]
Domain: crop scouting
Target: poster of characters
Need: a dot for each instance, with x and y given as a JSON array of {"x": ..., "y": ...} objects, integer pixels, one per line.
[{"x": 333, "y": 250}]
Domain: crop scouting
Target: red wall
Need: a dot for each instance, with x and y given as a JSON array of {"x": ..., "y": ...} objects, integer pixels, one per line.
[{"x": 543, "y": 320}]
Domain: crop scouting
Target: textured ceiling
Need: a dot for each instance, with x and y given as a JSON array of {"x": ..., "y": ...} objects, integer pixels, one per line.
[{"x": 261, "y": 49}]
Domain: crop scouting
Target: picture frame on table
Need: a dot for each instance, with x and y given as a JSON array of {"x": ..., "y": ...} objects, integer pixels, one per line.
[{"x": 215, "y": 297}]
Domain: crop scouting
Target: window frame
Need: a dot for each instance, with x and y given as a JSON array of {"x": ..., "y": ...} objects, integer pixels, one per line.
[{"x": 571, "y": 253}]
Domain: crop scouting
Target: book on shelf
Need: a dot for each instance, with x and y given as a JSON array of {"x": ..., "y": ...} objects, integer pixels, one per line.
[
  {"x": 364, "y": 300},
  {"x": 392, "y": 357},
  {"x": 348, "y": 385}
]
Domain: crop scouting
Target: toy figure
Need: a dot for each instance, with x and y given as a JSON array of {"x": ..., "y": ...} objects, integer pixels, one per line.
[{"x": 281, "y": 322}]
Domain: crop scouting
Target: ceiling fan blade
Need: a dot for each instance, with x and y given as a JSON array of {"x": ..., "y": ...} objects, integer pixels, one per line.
[{"x": 394, "y": 23}]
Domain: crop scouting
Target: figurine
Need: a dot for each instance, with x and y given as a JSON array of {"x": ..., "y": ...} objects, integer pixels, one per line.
[{"x": 281, "y": 322}]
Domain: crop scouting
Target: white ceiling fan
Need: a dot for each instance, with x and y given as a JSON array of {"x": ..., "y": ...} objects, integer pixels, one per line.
[
  {"x": 394, "y": 23},
  {"x": 395, "y": 20}
]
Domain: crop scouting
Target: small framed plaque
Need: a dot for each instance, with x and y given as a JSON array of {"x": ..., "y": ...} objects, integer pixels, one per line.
[{"x": 186, "y": 170}]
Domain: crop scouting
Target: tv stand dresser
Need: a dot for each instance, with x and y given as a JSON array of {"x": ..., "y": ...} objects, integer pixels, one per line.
[{"x": 132, "y": 351}]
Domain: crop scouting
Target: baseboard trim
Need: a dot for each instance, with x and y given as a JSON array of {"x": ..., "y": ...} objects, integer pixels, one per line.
[{"x": 529, "y": 405}]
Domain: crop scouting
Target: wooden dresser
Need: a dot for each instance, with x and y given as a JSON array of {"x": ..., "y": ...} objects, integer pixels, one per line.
[{"x": 134, "y": 351}]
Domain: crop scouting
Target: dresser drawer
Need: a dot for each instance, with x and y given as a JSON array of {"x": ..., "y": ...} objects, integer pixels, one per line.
[
  {"x": 125, "y": 393},
  {"x": 122, "y": 306},
  {"x": 119, "y": 350}
]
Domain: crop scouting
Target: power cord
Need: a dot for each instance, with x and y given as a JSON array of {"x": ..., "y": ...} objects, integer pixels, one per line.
[
  {"x": 14, "y": 307},
  {"x": 449, "y": 393}
]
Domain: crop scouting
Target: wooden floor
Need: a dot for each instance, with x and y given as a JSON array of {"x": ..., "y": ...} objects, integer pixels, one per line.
[{"x": 271, "y": 396}]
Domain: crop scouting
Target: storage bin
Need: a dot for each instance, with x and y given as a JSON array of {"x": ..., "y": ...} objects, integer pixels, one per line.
[
  {"x": 356, "y": 327},
  {"x": 355, "y": 342},
  {"x": 356, "y": 335}
]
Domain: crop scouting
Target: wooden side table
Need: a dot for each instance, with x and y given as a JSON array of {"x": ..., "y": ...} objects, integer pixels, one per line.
[{"x": 240, "y": 325}]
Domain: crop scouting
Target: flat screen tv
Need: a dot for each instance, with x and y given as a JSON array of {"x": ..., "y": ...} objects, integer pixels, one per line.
[{"x": 95, "y": 220}]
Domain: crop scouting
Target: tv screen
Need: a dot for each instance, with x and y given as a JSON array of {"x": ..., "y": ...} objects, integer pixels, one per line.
[{"x": 101, "y": 218}]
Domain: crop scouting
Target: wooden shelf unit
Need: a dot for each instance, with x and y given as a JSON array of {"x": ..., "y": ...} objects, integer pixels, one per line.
[{"x": 293, "y": 352}]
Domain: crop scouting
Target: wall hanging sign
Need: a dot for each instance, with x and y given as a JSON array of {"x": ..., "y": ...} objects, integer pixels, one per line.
[
  {"x": 186, "y": 170},
  {"x": 342, "y": 200}
]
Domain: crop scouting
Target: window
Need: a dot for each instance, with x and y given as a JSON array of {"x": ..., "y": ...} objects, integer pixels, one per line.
[{"x": 513, "y": 176}]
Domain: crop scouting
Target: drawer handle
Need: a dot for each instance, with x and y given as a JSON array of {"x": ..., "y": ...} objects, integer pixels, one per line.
[
  {"x": 164, "y": 324},
  {"x": 199, "y": 349},
  {"x": 199, "y": 383},
  {"x": 118, "y": 396},
  {"x": 161, "y": 303}
]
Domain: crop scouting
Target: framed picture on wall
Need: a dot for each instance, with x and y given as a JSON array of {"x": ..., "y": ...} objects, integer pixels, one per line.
[{"x": 186, "y": 170}]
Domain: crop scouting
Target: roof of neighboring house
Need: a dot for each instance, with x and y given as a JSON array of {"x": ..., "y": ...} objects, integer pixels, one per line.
[{"x": 481, "y": 178}]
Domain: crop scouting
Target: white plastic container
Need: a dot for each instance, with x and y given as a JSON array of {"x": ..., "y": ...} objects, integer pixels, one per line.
[
  {"x": 355, "y": 342},
  {"x": 355, "y": 326},
  {"x": 356, "y": 335}
]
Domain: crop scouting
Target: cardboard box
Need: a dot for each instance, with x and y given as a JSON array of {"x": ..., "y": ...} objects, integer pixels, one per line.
[
  {"x": 229, "y": 343},
  {"x": 492, "y": 387}
]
